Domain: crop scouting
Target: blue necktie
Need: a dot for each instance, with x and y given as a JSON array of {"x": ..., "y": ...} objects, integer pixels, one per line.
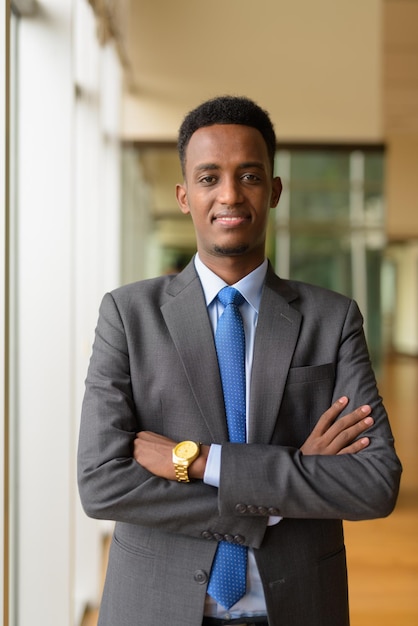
[{"x": 228, "y": 577}]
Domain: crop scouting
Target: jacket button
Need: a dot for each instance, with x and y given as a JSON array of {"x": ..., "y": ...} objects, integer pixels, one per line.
[
  {"x": 253, "y": 509},
  {"x": 273, "y": 511},
  {"x": 262, "y": 510},
  {"x": 200, "y": 576},
  {"x": 239, "y": 539},
  {"x": 206, "y": 534},
  {"x": 240, "y": 508},
  {"x": 229, "y": 538},
  {"x": 218, "y": 536}
]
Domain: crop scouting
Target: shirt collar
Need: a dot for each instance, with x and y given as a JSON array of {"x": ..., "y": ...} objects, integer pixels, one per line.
[{"x": 250, "y": 286}]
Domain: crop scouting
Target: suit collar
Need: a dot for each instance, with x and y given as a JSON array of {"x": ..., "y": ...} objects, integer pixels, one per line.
[
  {"x": 250, "y": 286},
  {"x": 189, "y": 276}
]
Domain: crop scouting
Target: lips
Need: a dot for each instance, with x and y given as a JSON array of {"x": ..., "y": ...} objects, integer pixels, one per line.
[{"x": 230, "y": 220}]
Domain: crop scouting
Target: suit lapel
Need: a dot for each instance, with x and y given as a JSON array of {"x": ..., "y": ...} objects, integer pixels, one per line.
[
  {"x": 275, "y": 341},
  {"x": 276, "y": 336},
  {"x": 185, "y": 314}
]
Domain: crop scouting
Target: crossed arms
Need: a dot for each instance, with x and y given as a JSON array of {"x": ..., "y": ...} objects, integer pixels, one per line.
[
  {"x": 346, "y": 467},
  {"x": 329, "y": 437}
]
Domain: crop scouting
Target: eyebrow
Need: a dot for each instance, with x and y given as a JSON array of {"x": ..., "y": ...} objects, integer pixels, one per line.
[
  {"x": 257, "y": 164},
  {"x": 213, "y": 166},
  {"x": 206, "y": 166}
]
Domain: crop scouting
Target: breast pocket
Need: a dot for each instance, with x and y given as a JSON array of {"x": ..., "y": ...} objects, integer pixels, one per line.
[{"x": 308, "y": 393}]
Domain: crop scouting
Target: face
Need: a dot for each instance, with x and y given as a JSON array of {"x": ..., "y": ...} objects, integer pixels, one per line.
[{"x": 228, "y": 191}]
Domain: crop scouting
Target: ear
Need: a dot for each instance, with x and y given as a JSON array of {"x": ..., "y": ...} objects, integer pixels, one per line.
[
  {"x": 276, "y": 191},
  {"x": 181, "y": 195}
]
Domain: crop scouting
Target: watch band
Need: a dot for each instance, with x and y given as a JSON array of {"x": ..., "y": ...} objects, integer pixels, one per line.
[{"x": 182, "y": 473}]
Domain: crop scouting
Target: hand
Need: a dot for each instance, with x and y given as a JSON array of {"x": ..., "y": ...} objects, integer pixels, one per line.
[
  {"x": 155, "y": 453},
  {"x": 331, "y": 436}
]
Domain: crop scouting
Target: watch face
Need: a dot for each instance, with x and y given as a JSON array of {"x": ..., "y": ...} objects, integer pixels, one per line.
[{"x": 186, "y": 449}]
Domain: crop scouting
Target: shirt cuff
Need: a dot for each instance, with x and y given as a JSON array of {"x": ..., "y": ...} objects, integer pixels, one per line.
[{"x": 212, "y": 473}]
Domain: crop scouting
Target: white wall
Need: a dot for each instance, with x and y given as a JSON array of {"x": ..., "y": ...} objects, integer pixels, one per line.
[
  {"x": 66, "y": 254},
  {"x": 96, "y": 214},
  {"x": 3, "y": 299},
  {"x": 43, "y": 319}
]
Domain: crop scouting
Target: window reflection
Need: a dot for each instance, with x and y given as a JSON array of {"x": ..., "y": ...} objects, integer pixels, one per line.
[{"x": 333, "y": 219}]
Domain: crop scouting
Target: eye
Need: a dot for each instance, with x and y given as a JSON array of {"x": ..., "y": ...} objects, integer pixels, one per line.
[
  {"x": 250, "y": 178},
  {"x": 207, "y": 180}
]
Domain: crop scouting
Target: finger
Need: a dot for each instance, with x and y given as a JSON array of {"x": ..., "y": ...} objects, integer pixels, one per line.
[
  {"x": 151, "y": 437},
  {"x": 349, "y": 436},
  {"x": 349, "y": 420},
  {"x": 330, "y": 416},
  {"x": 143, "y": 435},
  {"x": 356, "y": 446},
  {"x": 147, "y": 435}
]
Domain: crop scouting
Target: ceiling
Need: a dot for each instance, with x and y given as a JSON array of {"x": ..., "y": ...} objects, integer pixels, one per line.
[
  {"x": 327, "y": 71},
  {"x": 314, "y": 65}
]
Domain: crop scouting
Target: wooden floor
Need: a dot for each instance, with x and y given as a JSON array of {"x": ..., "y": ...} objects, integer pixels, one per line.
[{"x": 383, "y": 554}]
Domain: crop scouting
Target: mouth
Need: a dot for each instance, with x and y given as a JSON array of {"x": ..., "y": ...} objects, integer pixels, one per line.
[{"x": 230, "y": 221}]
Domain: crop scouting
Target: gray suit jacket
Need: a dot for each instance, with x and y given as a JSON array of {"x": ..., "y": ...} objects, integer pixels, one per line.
[{"x": 154, "y": 367}]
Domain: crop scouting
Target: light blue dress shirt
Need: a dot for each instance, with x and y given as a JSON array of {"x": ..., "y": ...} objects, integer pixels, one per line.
[{"x": 251, "y": 286}]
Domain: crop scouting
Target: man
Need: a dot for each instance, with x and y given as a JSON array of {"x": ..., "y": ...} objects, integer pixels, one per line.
[{"x": 278, "y": 492}]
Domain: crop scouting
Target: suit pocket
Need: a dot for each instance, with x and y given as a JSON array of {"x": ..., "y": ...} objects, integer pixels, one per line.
[
  {"x": 310, "y": 374},
  {"x": 133, "y": 539},
  {"x": 332, "y": 581},
  {"x": 308, "y": 393}
]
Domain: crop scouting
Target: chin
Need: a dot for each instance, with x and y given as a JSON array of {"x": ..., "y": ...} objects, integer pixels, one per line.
[{"x": 231, "y": 250}]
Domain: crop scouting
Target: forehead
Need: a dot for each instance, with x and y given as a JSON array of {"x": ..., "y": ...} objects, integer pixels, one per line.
[{"x": 226, "y": 143}]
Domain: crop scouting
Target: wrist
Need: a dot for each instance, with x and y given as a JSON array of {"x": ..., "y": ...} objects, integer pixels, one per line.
[{"x": 197, "y": 468}]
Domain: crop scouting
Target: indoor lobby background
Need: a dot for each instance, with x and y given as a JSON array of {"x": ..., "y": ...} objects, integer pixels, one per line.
[{"x": 92, "y": 93}]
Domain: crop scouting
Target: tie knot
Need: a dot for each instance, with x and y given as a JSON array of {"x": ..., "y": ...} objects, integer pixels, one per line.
[{"x": 230, "y": 295}]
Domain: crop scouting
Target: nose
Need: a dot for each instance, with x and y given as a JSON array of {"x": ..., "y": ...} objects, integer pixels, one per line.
[{"x": 230, "y": 192}]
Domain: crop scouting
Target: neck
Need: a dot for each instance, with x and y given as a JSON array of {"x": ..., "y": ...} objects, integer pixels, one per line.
[{"x": 231, "y": 269}]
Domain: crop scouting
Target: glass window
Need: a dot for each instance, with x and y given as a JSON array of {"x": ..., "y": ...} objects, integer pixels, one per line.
[
  {"x": 319, "y": 185},
  {"x": 329, "y": 224}
]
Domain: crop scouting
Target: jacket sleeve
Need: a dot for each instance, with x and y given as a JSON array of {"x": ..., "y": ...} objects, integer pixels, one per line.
[
  {"x": 112, "y": 485},
  {"x": 277, "y": 479}
]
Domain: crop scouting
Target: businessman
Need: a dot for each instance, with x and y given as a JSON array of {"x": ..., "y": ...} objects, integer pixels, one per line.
[{"x": 231, "y": 418}]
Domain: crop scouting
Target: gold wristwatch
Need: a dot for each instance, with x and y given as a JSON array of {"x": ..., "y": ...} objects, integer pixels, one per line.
[{"x": 184, "y": 453}]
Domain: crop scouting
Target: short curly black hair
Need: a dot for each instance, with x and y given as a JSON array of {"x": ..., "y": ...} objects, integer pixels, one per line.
[{"x": 227, "y": 110}]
